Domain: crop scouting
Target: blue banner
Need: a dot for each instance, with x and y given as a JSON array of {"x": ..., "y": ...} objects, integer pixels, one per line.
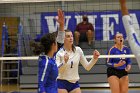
[{"x": 106, "y": 24}]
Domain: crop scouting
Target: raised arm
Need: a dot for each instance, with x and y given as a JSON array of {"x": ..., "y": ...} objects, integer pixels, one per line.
[
  {"x": 133, "y": 38},
  {"x": 124, "y": 9},
  {"x": 61, "y": 32},
  {"x": 60, "y": 19},
  {"x": 88, "y": 65}
]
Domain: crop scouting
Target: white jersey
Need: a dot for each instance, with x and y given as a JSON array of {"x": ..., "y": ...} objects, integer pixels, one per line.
[
  {"x": 69, "y": 71},
  {"x": 133, "y": 39}
]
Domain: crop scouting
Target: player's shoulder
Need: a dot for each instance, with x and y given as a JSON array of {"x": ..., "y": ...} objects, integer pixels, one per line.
[
  {"x": 43, "y": 60},
  {"x": 126, "y": 47},
  {"x": 78, "y": 49},
  {"x": 61, "y": 50},
  {"x": 112, "y": 48}
]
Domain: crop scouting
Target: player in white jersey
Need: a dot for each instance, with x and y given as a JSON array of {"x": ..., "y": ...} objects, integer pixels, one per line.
[
  {"x": 71, "y": 56},
  {"x": 133, "y": 39}
]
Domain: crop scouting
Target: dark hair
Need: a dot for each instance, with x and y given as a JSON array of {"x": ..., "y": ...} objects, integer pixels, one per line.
[
  {"x": 85, "y": 18},
  {"x": 73, "y": 46},
  {"x": 47, "y": 41},
  {"x": 45, "y": 44}
]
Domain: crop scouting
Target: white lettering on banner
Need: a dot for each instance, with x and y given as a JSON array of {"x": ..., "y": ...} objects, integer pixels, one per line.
[
  {"x": 108, "y": 27},
  {"x": 52, "y": 27},
  {"x": 135, "y": 23},
  {"x": 67, "y": 21},
  {"x": 92, "y": 19},
  {"x": 78, "y": 19}
]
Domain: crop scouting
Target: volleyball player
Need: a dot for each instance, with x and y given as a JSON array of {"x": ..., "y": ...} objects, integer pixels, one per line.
[
  {"x": 48, "y": 70},
  {"x": 71, "y": 56},
  {"x": 117, "y": 71},
  {"x": 133, "y": 39}
]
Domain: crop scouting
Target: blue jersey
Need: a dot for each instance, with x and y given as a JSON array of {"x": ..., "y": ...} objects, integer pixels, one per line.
[
  {"x": 48, "y": 73},
  {"x": 115, "y": 51}
]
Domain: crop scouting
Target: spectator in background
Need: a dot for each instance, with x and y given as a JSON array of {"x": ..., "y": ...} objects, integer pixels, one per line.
[{"x": 84, "y": 31}]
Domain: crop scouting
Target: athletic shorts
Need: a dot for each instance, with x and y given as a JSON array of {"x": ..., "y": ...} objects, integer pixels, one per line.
[
  {"x": 64, "y": 84},
  {"x": 116, "y": 72}
]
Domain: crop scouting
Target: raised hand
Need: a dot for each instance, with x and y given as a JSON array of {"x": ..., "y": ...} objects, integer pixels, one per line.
[
  {"x": 96, "y": 54},
  {"x": 60, "y": 19},
  {"x": 121, "y": 63},
  {"x": 128, "y": 68}
]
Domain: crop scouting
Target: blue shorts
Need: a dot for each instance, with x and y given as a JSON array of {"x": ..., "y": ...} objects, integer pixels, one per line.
[{"x": 64, "y": 84}]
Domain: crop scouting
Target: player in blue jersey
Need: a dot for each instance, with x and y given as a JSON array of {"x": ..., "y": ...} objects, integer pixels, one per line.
[
  {"x": 71, "y": 56},
  {"x": 133, "y": 37},
  {"x": 117, "y": 71},
  {"x": 48, "y": 70}
]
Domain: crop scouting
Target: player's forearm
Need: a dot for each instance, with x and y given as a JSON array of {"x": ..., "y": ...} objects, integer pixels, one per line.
[
  {"x": 109, "y": 64},
  {"x": 63, "y": 64},
  {"x": 124, "y": 9},
  {"x": 91, "y": 64},
  {"x": 62, "y": 67},
  {"x": 61, "y": 28},
  {"x": 60, "y": 37}
]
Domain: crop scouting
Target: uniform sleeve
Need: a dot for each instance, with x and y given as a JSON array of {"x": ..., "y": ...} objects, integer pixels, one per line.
[
  {"x": 133, "y": 37},
  {"x": 87, "y": 65},
  {"x": 60, "y": 62},
  {"x": 110, "y": 60},
  {"x": 128, "y": 25},
  {"x": 60, "y": 37},
  {"x": 44, "y": 71},
  {"x": 128, "y": 60}
]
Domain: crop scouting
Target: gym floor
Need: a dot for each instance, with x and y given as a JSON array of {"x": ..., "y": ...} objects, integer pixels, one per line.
[{"x": 16, "y": 89}]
